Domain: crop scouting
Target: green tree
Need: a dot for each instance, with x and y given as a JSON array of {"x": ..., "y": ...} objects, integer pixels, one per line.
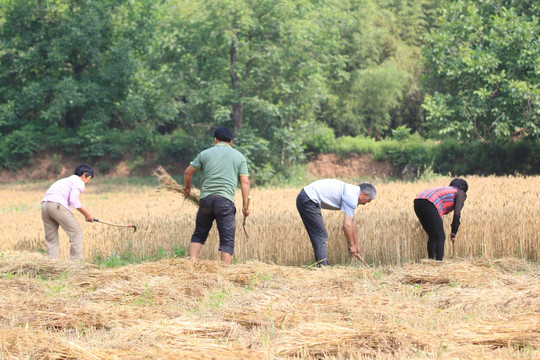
[
  {"x": 483, "y": 70},
  {"x": 66, "y": 68},
  {"x": 382, "y": 44},
  {"x": 257, "y": 66}
]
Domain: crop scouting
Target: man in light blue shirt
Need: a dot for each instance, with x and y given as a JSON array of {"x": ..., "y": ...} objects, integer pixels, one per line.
[{"x": 332, "y": 194}]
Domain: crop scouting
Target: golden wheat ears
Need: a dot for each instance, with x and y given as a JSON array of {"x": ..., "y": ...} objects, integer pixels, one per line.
[{"x": 169, "y": 184}]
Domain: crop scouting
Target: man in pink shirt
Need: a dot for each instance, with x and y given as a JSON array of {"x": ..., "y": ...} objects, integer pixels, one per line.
[{"x": 55, "y": 211}]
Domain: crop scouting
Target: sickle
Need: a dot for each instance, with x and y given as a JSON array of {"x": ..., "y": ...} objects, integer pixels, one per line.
[
  {"x": 244, "y": 221},
  {"x": 118, "y": 225}
]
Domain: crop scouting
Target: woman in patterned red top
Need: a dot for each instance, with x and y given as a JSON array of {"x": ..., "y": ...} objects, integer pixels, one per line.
[{"x": 431, "y": 205}]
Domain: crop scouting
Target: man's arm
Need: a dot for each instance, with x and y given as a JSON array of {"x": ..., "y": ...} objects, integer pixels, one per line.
[
  {"x": 458, "y": 205},
  {"x": 349, "y": 228},
  {"x": 190, "y": 170},
  {"x": 86, "y": 214},
  {"x": 245, "y": 188}
]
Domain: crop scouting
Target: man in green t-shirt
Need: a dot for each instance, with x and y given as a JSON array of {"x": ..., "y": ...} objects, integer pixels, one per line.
[{"x": 222, "y": 168}]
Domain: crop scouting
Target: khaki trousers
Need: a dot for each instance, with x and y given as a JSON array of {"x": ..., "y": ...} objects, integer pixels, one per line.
[{"x": 54, "y": 214}]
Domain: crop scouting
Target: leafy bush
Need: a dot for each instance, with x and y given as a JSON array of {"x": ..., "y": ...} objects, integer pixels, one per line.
[
  {"x": 258, "y": 155},
  {"x": 129, "y": 256},
  {"x": 349, "y": 144},
  {"x": 178, "y": 145},
  {"x": 18, "y": 147},
  {"x": 483, "y": 159},
  {"x": 318, "y": 138},
  {"x": 448, "y": 156}
]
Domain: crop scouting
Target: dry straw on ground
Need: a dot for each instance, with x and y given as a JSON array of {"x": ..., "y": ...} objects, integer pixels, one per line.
[{"x": 481, "y": 309}]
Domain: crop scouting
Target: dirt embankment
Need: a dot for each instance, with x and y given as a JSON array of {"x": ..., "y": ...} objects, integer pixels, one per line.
[
  {"x": 49, "y": 167},
  {"x": 350, "y": 166}
]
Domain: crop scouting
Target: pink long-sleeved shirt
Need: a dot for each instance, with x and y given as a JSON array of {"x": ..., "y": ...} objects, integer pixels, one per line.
[{"x": 66, "y": 192}]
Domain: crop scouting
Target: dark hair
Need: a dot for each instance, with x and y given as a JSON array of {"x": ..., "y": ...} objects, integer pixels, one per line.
[
  {"x": 84, "y": 169},
  {"x": 460, "y": 184},
  {"x": 223, "y": 134}
]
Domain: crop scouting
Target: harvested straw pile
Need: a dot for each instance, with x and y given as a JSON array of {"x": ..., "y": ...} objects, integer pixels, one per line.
[
  {"x": 436, "y": 273},
  {"x": 169, "y": 184},
  {"x": 195, "y": 339},
  {"x": 35, "y": 264},
  {"x": 308, "y": 339},
  {"x": 21, "y": 343},
  {"x": 519, "y": 331},
  {"x": 175, "y": 308}
]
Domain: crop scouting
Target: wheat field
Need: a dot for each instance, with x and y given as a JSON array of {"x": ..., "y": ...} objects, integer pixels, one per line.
[
  {"x": 501, "y": 218},
  {"x": 481, "y": 303}
]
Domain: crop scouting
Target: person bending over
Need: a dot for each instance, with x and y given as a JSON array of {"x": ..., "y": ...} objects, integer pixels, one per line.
[
  {"x": 431, "y": 205},
  {"x": 332, "y": 194}
]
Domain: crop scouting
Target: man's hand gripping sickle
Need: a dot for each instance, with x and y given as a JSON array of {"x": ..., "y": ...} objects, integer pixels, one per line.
[{"x": 355, "y": 251}]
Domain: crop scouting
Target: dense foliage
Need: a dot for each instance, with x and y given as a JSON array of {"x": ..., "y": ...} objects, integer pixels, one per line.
[
  {"x": 148, "y": 81},
  {"x": 447, "y": 156},
  {"x": 483, "y": 70}
]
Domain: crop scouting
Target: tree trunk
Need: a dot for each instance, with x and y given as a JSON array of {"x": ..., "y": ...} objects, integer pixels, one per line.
[
  {"x": 237, "y": 106},
  {"x": 238, "y": 113}
]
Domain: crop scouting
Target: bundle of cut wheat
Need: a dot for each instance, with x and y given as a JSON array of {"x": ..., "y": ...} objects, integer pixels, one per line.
[
  {"x": 169, "y": 184},
  {"x": 33, "y": 264},
  {"x": 521, "y": 331}
]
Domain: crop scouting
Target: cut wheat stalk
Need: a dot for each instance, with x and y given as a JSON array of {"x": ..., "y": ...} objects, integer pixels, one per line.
[{"x": 169, "y": 184}]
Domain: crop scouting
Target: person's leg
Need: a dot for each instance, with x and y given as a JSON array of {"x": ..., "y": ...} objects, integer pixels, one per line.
[
  {"x": 74, "y": 231},
  {"x": 67, "y": 221},
  {"x": 50, "y": 226},
  {"x": 194, "y": 250},
  {"x": 433, "y": 225},
  {"x": 431, "y": 248},
  {"x": 312, "y": 218},
  {"x": 225, "y": 215},
  {"x": 420, "y": 206},
  {"x": 225, "y": 257},
  {"x": 439, "y": 236},
  {"x": 203, "y": 224}
]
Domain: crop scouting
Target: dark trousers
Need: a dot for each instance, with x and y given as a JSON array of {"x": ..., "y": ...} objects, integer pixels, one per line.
[
  {"x": 215, "y": 207},
  {"x": 433, "y": 225},
  {"x": 311, "y": 215}
]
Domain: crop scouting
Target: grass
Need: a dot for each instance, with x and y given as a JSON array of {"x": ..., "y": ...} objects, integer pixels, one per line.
[{"x": 129, "y": 257}]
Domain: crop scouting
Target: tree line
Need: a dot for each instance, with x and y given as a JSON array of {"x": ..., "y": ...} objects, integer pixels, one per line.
[{"x": 121, "y": 79}]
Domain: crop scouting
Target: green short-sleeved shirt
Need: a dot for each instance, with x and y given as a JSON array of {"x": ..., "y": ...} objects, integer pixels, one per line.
[{"x": 220, "y": 165}]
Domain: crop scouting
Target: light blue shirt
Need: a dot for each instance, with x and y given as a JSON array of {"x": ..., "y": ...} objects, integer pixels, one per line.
[{"x": 333, "y": 194}]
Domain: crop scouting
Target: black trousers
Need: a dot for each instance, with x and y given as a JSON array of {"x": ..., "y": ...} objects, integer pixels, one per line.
[
  {"x": 311, "y": 215},
  {"x": 433, "y": 225},
  {"x": 215, "y": 207}
]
